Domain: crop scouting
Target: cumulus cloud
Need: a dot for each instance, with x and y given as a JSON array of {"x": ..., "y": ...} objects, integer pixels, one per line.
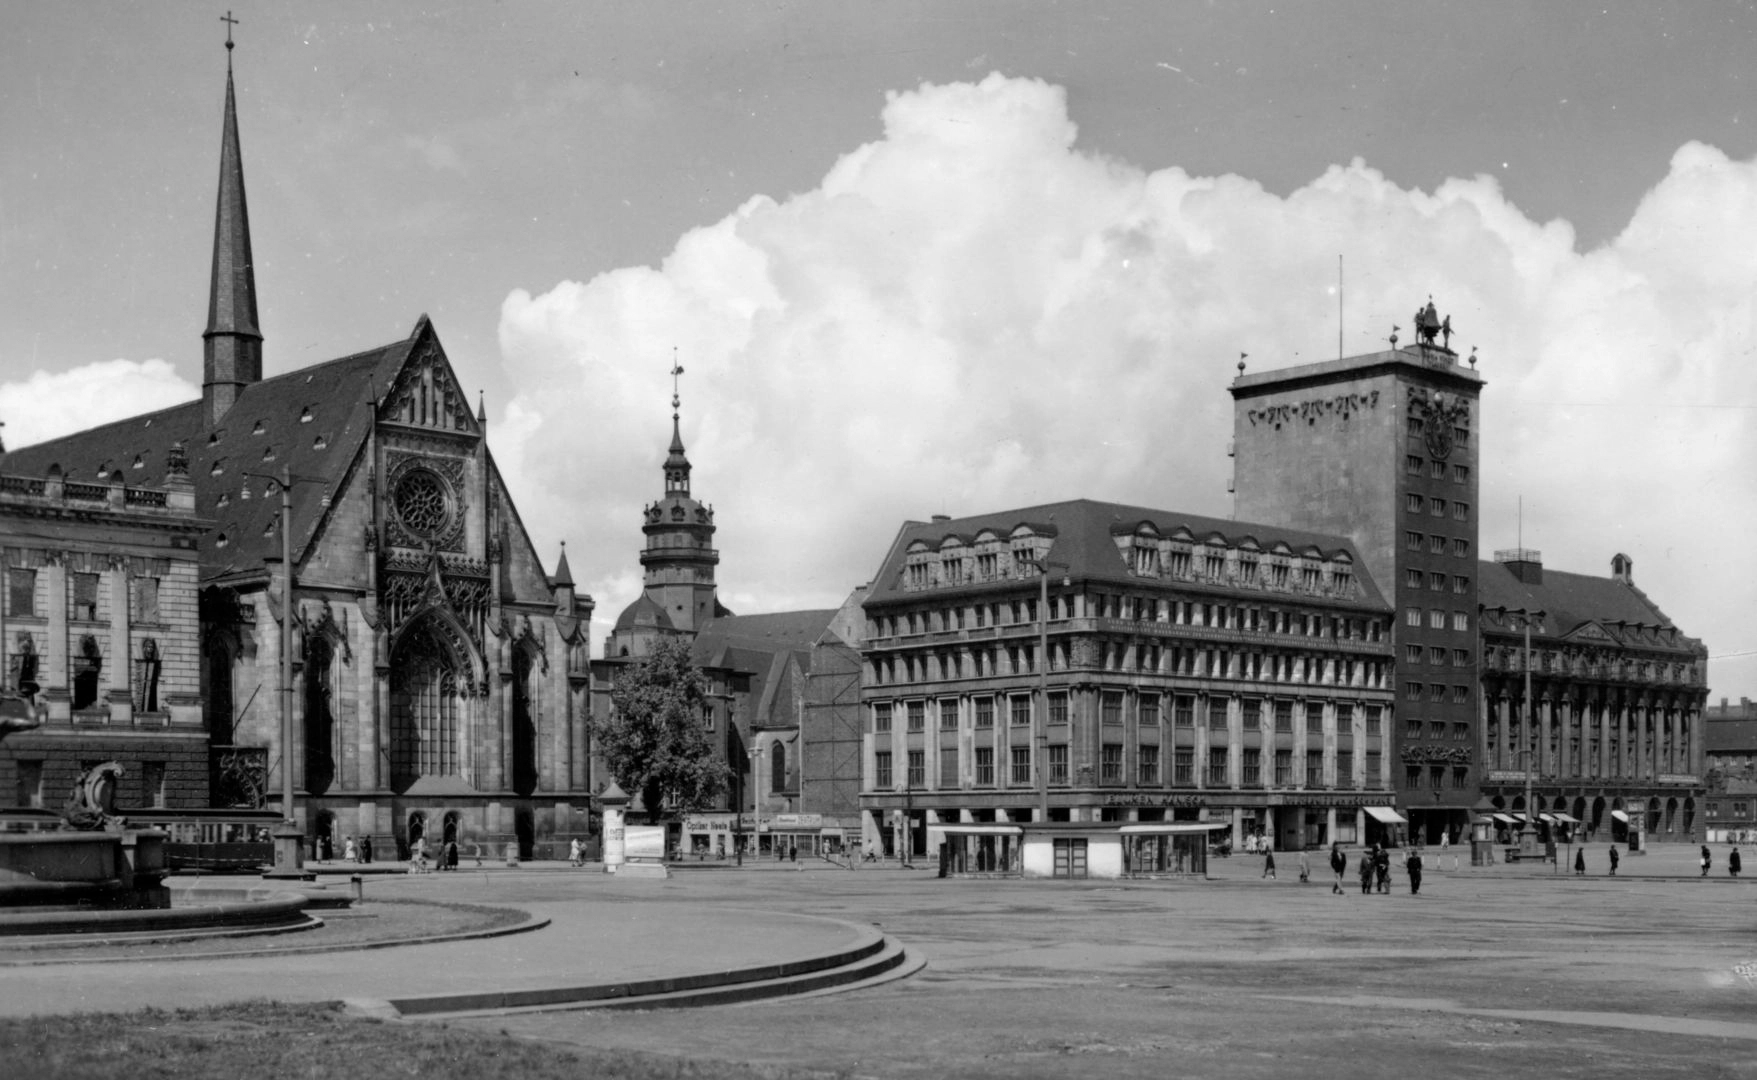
[
  {"x": 972, "y": 313},
  {"x": 44, "y": 405}
]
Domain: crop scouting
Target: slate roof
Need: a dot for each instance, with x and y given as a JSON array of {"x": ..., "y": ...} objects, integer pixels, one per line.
[
  {"x": 335, "y": 396},
  {"x": 1725, "y": 735},
  {"x": 771, "y": 649},
  {"x": 1570, "y": 601},
  {"x": 1082, "y": 532}
]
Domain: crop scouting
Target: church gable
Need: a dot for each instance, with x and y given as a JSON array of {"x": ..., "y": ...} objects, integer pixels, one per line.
[{"x": 425, "y": 393}]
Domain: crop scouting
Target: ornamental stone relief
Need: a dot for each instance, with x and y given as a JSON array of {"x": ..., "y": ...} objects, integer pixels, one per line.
[{"x": 1343, "y": 406}]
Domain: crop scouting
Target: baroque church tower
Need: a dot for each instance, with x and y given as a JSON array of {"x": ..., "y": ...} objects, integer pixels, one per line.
[{"x": 679, "y": 594}]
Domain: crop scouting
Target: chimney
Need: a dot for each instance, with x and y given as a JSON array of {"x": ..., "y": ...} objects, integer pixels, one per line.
[
  {"x": 1526, "y": 564},
  {"x": 1623, "y": 569},
  {"x": 937, "y": 518}
]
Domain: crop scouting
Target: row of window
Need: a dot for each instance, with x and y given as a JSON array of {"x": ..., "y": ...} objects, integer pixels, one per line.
[
  {"x": 1152, "y": 657},
  {"x": 1436, "y": 619},
  {"x": 22, "y": 598},
  {"x": 1219, "y": 616},
  {"x": 1436, "y": 655},
  {"x": 1111, "y": 769},
  {"x": 1413, "y": 578},
  {"x": 1415, "y": 691},
  {"x": 1460, "y": 434},
  {"x": 1437, "y": 507},
  {"x": 1437, "y": 729},
  {"x": 1113, "y": 711},
  {"x": 1436, "y": 544},
  {"x": 1416, "y": 465},
  {"x": 1435, "y": 777}
]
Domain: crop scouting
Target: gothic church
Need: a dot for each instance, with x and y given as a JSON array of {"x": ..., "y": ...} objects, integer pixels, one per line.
[{"x": 439, "y": 672}]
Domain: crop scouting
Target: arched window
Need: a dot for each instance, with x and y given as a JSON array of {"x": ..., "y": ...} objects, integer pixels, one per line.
[
  {"x": 424, "y": 709},
  {"x": 778, "y": 767}
]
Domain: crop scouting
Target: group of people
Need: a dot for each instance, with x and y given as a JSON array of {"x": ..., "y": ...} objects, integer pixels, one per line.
[
  {"x": 361, "y": 853},
  {"x": 445, "y": 856},
  {"x": 1732, "y": 861},
  {"x": 1374, "y": 869}
]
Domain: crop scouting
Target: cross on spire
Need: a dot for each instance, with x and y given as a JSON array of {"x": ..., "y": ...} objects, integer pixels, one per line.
[{"x": 230, "y": 22}]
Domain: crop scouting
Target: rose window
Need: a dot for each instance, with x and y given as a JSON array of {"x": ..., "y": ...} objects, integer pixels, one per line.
[{"x": 421, "y": 503}]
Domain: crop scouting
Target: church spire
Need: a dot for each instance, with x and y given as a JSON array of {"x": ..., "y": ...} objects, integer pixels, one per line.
[{"x": 232, "y": 343}]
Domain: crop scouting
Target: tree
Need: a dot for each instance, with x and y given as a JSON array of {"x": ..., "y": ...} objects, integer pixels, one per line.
[{"x": 655, "y": 740}]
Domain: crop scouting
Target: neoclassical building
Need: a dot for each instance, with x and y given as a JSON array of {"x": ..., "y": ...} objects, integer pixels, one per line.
[
  {"x": 1197, "y": 669},
  {"x": 1614, "y": 737},
  {"x": 439, "y": 671}
]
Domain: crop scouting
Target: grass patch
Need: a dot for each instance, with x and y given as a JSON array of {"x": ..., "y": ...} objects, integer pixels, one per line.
[{"x": 270, "y": 1039}]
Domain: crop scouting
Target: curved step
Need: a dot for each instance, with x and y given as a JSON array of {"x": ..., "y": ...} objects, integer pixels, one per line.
[{"x": 876, "y": 960}]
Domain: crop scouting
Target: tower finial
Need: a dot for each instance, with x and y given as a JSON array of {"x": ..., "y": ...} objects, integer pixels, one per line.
[
  {"x": 676, "y": 370},
  {"x": 230, "y": 22}
]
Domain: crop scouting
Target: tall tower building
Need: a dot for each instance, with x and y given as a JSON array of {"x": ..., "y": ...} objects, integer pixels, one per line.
[
  {"x": 678, "y": 596},
  {"x": 1382, "y": 449}
]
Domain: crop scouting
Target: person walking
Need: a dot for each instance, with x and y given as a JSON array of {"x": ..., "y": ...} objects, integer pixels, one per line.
[
  {"x": 1269, "y": 863},
  {"x": 1338, "y": 866},
  {"x": 1413, "y": 865},
  {"x": 1382, "y": 867},
  {"x": 1707, "y": 860},
  {"x": 1614, "y": 860},
  {"x": 1366, "y": 872},
  {"x": 1580, "y": 862},
  {"x": 1732, "y": 862},
  {"x": 1305, "y": 867},
  {"x": 348, "y": 852},
  {"x": 573, "y": 852}
]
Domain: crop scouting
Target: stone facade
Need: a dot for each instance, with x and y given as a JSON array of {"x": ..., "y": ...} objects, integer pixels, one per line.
[
  {"x": 98, "y": 627},
  {"x": 1186, "y": 668}
]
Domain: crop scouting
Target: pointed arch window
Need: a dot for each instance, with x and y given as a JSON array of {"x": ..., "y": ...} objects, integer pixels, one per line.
[
  {"x": 778, "y": 767},
  {"x": 425, "y": 709}
]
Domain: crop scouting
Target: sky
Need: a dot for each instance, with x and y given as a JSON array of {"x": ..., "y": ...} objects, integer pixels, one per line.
[{"x": 922, "y": 258}]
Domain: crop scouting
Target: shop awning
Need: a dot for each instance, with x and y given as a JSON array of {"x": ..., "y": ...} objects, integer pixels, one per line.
[
  {"x": 1547, "y": 818},
  {"x": 1506, "y": 819},
  {"x": 1565, "y": 819},
  {"x": 1619, "y": 815},
  {"x": 1161, "y": 828},
  {"x": 1386, "y": 814},
  {"x": 980, "y": 830}
]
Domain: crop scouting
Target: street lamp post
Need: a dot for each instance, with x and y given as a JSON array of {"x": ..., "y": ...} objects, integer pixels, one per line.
[
  {"x": 756, "y": 796},
  {"x": 1040, "y": 715},
  {"x": 1526, "y": 617},
  {"x": 288, "y": 840}
]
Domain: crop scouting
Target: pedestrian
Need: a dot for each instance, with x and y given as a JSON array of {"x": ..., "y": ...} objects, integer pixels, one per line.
[
  {"x": 348, "y": 852},
  {"x": 1580, "y": 861},
  {"x": 1366, "y": 872},
  {"x": 1732, "y": 862},
  {"x": 366, "y": 849},
  {"x": 451, "y": 854},
  {"x": 1413, "y": 865},
  {"x": 1707, "y": 860},
  {"x": 1614, "y": 859},
  {"x": 1305, "y": 867},
  {"x": 1269, "y": 864},
  {"x": 792, "y": 852},
  {"x": 1382, "y": 867},
  {"x": 1338, "y": 866},
  {"x": 573, "y": 852}
]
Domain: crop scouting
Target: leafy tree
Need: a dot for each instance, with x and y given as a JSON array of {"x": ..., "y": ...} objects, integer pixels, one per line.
[{"x": 656, "y": 741}]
